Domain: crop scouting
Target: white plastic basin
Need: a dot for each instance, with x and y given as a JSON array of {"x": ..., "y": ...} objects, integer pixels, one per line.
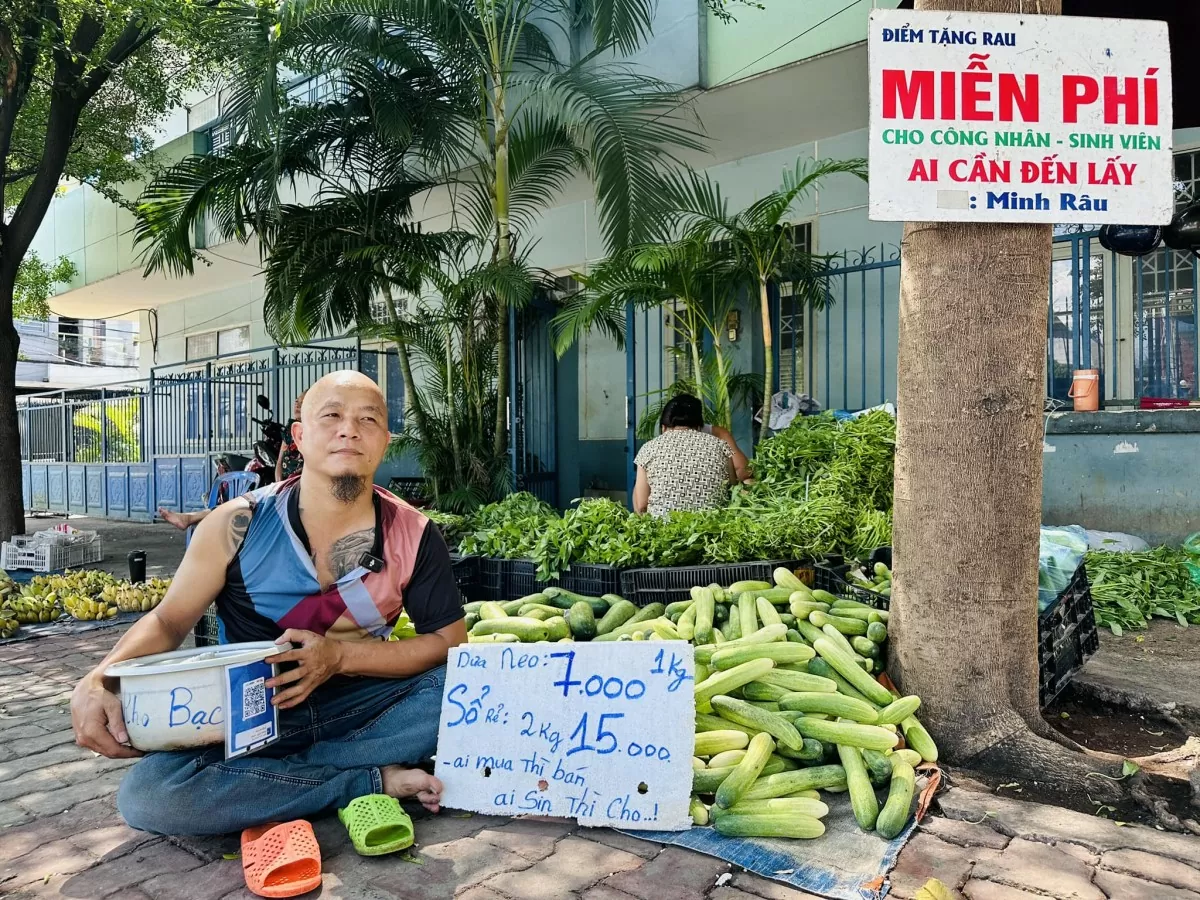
[{"x": 176, "y": 700}]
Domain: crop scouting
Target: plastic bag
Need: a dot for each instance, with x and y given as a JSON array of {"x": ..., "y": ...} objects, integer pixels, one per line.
[
  {"x": 1192, "y": 548},
  {"x": 1061, "y": 551},
  {"x": 785, "y": 406},
  {"x": 1117, "y": 542}
]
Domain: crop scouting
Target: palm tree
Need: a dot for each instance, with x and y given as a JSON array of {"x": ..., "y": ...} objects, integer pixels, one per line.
[
  {"x": 758, "y": 241},
  {"x": 476, "y": 94},
  {"x": 696, "y": 283},
  {"x": 449, "y": 367}
]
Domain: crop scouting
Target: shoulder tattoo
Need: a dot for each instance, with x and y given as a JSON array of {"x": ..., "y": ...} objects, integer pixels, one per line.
[
  {"x": 239, "y": 524},
  {"x": 346, "y": 551}
]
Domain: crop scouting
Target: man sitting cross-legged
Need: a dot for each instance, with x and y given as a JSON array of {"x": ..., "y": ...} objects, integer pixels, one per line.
[{"x": 294, "y": 562}]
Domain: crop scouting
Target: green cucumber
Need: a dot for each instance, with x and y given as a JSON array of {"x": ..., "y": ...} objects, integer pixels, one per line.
[
  {"x": 832, "y": 704},
  {"x": 781, "y": 785},
  {"x": 781, "y": 652},
  {"x": 582, "y": 621},
  {"x": 706, "y": 609},
  {"x": 565, "y": 599},
  {"x": 618, "y": 614},
  {"x": 894, "y": 815},
  {"x": 879, "y": 767},
  {"x": 877, "y": 632},
  {"x": 851, "y": 734},
  {"x": 742, "y": 713},
  {"x": 746, "y": 772},
  {"x": 862, "y": 794},
  {"x": 527, "y": 630},
  {"x": 846, "y": 666},
  {"x": 899, "y": 710}
]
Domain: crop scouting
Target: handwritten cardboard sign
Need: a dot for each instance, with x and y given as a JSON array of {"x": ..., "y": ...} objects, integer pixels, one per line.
[
  {"x": 602, "y": 732},
  {"x": 1019, "y": 118}
]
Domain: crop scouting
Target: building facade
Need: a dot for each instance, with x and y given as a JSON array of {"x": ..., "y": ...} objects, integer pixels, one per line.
[{"x": 780, "y": 85}]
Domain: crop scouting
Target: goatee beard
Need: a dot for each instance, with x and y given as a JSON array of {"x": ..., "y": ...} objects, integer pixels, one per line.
[{"x": 348, "y": 488}]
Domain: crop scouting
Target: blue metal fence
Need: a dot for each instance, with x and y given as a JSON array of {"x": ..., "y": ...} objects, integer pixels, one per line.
[
  {"x": 122, "y": 451},
  {"x": 1134, "y": 319}
]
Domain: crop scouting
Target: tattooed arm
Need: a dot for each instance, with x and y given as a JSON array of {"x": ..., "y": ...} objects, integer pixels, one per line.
[{"x": 95, "y": 706}]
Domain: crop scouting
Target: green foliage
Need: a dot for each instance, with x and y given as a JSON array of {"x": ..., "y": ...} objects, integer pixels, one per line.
[
  {"x": 123, "y": 418},
  {"x": 721, "y": 8},
  {"x": 834, "y": 497},
  {"x": 1128, "y": 589},
  {"x": 820, "y": 456},
  {"x": 174, "y": 47},
  {"x": 36, "y": 281},
  {"x": 758, "y": 242},
  {"x": 451, "y": 398}
]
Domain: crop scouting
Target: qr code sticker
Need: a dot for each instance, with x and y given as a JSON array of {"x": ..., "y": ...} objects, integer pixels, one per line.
[{"x": 254, "y": 698}]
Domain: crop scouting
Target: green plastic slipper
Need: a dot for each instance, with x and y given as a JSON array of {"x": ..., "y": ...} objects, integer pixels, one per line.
[{"x": 377, "y": 824}]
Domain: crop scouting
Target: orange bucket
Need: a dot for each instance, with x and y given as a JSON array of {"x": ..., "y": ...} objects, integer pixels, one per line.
[{"x": 1085, "y": 390}]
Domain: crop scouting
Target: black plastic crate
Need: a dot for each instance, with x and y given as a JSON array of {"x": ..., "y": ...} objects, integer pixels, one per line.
[
  {"x": 646, "y": 586},
  {"x": 493, "y": 578},
  {"x": 205, "y": 631},
  {"x": 466, "y": 576},
  {"x": 832, "y": 580},
  {"x": 1067, "y": 637},
  {"x": 580, "y": 578}
]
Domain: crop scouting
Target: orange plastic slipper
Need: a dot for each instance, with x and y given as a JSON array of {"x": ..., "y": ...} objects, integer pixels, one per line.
[{"x": 281, "y": 860}]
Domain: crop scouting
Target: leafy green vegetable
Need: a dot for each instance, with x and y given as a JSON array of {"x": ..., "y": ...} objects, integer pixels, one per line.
[
  {"x": 1128, "y": 589},
  {"x": 824, "y": 486}
]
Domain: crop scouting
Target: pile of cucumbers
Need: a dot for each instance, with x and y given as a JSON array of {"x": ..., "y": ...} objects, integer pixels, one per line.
[
  {"x": 787, "y": 703},
  {"x": 879, "y": 580},
  {"x": 553, "y": 614}
]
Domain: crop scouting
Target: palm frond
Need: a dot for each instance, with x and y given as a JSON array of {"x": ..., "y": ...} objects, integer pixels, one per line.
[{"x": 629, "y": 127}]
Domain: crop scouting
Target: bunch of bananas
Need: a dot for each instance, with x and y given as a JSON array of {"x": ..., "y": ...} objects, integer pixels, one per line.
[
  {"x": 137, "y": 597},
  {"x": 88, "y": 609},
  {"x": 85, "y": 594},
  {"x": 31, "y": 609},
  {"x": 8, "y": 616}
]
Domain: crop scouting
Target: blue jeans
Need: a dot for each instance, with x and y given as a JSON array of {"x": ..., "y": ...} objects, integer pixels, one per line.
[{"x": 330, "y": 751}]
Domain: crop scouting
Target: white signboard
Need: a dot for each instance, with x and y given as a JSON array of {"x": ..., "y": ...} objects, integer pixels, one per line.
[
  {"x": 1017, "y": 118},
  {"x": 602, "y": 733}
]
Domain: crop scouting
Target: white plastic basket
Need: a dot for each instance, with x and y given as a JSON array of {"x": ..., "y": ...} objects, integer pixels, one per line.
[{"x": 27, "y": 552}]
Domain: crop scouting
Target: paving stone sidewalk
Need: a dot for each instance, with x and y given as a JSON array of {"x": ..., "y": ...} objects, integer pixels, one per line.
[{"x": 60, "y": 836}]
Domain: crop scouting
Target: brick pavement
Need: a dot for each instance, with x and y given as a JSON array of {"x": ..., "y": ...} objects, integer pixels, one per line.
[{"x": 60, "y": 836}]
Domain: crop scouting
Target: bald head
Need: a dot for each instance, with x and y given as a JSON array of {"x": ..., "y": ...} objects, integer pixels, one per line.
[
  {"x": 343, "y": 433},
  {"x": 335, "y": 386}
]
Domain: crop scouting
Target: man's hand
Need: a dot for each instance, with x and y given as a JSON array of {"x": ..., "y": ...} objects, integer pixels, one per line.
[
  {"x": 97, "y": 719},
  {"x": 319, "y": 658}
]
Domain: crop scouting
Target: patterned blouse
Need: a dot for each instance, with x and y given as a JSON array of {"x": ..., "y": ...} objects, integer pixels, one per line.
[
  {"x": 686, "y": 470},
  {"x": 293, "y": 462}
]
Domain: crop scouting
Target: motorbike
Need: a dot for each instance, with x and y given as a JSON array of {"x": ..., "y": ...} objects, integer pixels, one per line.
[{"x": 266, "y": 450}]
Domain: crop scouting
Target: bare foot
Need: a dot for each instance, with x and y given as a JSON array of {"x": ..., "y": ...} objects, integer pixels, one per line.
[
  {"x": 401, "y": 783},
  {"x": 180, "y": 520}
]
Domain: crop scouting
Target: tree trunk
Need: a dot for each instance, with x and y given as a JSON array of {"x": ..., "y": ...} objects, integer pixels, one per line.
[
  {"x": 12, "y": 507},
  {"x": 968, "y": 496},
  {"x": 504, "y": 256},
  {"x": 768, "y": 359}
]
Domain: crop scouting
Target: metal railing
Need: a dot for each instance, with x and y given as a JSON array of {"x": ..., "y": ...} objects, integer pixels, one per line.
[{"x": 200, "y": 407}]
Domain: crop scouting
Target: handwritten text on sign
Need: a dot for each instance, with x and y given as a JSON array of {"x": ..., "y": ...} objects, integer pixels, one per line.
[
  {"x": 1016, "y": 118},
  {"x": 602, "y": 733}
]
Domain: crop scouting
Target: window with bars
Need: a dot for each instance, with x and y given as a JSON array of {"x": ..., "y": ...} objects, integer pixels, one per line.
[
  {"x": 1164, "y": 292},
  {"x": 220, "y": 342},
  {"x": 790, "y": 331}
]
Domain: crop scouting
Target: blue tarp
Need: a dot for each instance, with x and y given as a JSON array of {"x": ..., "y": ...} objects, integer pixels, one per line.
[{"x": 845, "y": 863}]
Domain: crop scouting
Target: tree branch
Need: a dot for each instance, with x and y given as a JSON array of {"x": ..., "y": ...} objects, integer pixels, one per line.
[
  {"x": 21, "y": 64},
  {"x": 135, "y": 36},
  {"x": 19, "y": 175}
]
